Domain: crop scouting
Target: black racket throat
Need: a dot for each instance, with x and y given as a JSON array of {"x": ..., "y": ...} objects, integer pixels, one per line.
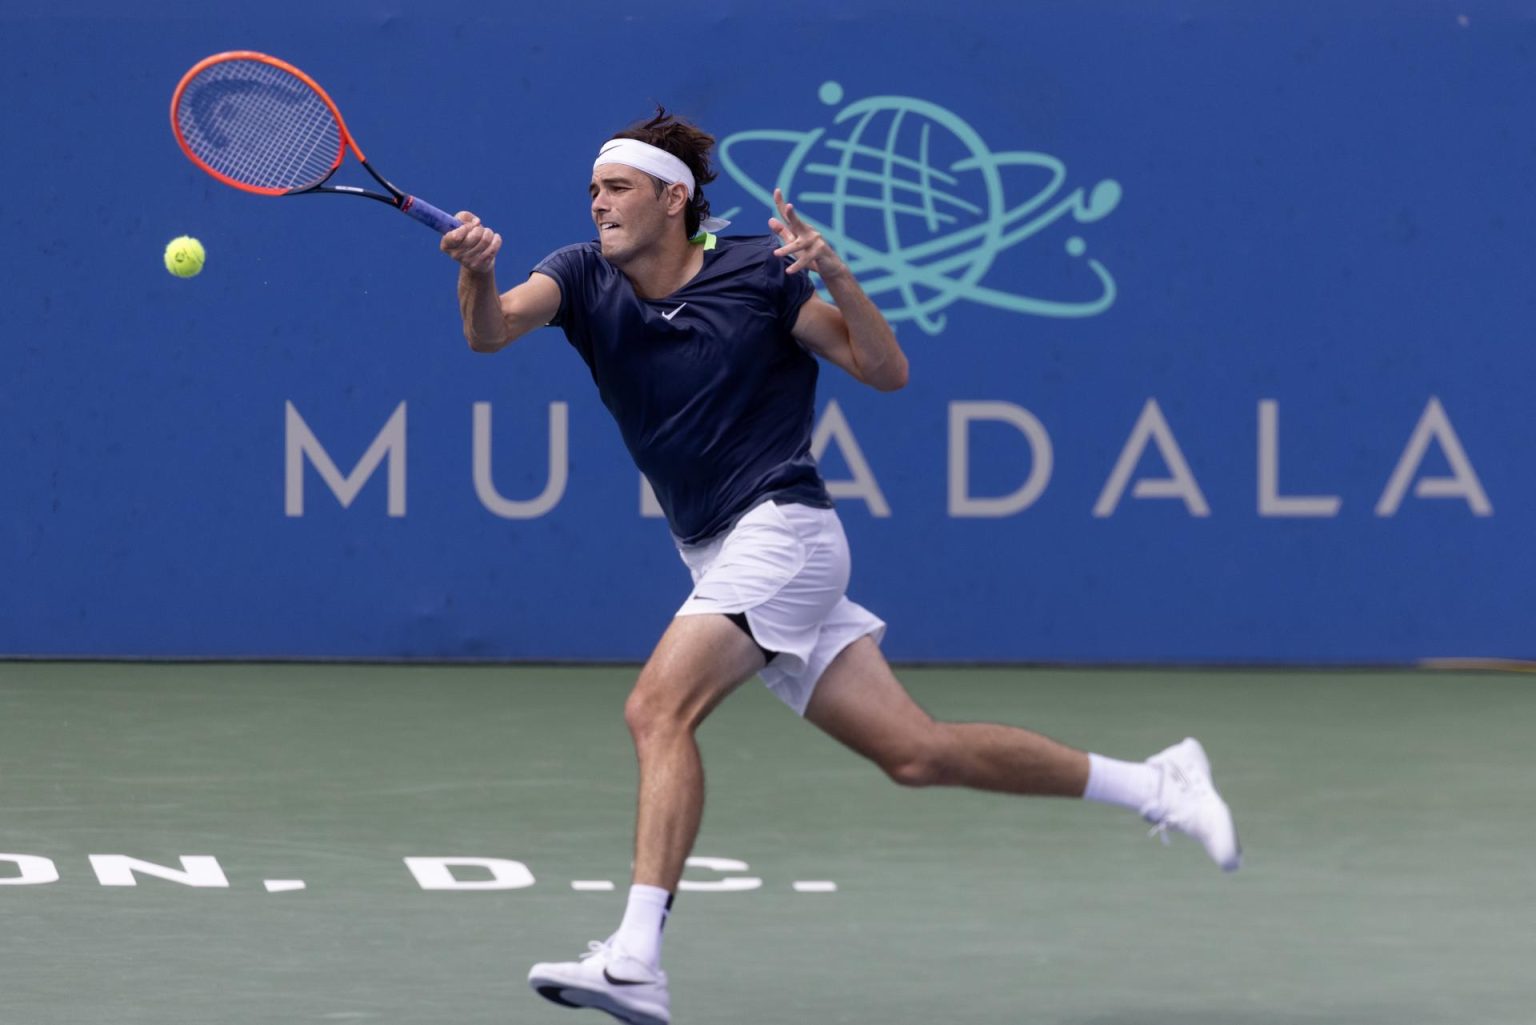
[{"x": 396, "y": 198}]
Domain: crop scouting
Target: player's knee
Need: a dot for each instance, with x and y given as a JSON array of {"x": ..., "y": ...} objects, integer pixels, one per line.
[
  {"x": 653, "y": 714},
  {"x": 642, "y": 713},
  {"x": 920, "y": 758},
  {"x": 915, "y": 767}
]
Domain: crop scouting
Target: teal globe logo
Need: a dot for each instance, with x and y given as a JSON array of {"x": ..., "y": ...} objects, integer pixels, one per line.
[{"x": 921, "y": 208}]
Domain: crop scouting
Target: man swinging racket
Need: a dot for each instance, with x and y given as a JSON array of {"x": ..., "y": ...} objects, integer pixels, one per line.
[{"x": 704, "y": 349}]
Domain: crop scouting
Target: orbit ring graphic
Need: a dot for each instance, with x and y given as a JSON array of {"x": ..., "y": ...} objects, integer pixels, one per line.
[{"x": 899, "y": 218}]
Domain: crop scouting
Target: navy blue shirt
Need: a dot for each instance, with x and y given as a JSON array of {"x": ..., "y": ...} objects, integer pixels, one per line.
[{"x": 713, "y": 395}]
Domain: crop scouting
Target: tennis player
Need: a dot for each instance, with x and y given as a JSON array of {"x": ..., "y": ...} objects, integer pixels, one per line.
[{"x": 705, "y": 349}]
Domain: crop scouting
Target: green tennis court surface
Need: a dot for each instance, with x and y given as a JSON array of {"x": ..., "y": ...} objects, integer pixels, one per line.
[{"x": 1386, "y": 817}]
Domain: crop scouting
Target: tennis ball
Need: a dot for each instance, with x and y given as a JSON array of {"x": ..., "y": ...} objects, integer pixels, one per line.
[{"x": 184, "y": 256}]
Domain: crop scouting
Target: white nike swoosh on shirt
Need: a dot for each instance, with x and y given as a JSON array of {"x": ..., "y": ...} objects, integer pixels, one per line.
[{"x": 669, "y": 316}]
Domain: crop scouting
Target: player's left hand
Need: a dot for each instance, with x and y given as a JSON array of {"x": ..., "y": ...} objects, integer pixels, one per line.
[{"x": 804, "y": 243}]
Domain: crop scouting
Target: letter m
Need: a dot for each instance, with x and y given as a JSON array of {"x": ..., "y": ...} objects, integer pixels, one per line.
[{"x": 302, "y": 444}]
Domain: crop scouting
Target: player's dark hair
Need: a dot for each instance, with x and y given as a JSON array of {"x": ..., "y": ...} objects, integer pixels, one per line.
[{"x": 688, "y": 143}]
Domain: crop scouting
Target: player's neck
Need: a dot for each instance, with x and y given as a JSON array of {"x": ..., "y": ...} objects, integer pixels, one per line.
[{"x": 670, "y": 266}]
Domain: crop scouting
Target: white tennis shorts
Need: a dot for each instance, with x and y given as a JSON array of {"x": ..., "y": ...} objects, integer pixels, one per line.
[{"x": 786, "y": 567}]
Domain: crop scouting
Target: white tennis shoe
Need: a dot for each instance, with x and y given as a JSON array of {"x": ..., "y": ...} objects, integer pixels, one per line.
[
  {"x": 609, "y": 980},
  {"x": 1187, "y": 801}
]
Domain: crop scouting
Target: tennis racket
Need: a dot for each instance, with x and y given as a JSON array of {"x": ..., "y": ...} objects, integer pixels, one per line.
[{"x": 262, "y": 125}]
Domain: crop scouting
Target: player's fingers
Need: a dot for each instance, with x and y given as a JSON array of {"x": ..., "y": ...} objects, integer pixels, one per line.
[
  {"x": 791, "y": 217},
  {"x": 459, "y": 237},
  {"x": 806, "y": 244},
  {"x": 482, "y": 248},
  {"x": 786, "y": 209},
  {"x": 482, "y": 257},
  {"x": 491, "y": 248},
  {"x": 472, "y": 245}
]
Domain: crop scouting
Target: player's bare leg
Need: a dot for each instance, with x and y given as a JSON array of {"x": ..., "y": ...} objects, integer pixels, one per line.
[
  {"x": 699, "y": 660},
  {"x": 860, "y": 702}
]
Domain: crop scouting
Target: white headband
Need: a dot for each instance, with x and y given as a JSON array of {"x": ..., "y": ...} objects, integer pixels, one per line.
[
  {"x": 642, "y": 156},
  {"x": 654, "y": 161}
]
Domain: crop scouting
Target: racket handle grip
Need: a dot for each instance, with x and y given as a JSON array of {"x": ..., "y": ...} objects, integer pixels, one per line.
[{"x": 431, "y": 216}]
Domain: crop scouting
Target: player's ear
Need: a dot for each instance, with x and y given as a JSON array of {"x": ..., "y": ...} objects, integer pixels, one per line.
[{"x": 677, "y": 198}]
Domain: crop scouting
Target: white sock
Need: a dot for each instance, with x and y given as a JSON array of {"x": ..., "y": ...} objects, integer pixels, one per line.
[
  {"x": 1132, "y": 785},
  {"x": 639, "y": 934}
]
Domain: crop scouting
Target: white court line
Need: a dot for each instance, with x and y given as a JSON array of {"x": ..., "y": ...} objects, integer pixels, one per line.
[
  {"x": 591, "y": 884},
  {"x": 283, "y": 885},
  {"x": 815, "y": 886}
]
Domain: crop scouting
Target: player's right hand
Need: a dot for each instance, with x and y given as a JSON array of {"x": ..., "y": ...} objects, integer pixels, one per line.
[{"x": 472, "y": 244}]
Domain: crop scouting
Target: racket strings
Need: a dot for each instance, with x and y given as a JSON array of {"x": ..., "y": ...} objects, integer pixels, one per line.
[{"x": 259, "y": 125}]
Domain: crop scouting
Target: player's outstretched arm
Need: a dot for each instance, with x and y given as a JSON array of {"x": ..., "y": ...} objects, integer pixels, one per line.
[
  {"x": 493, "y": 321},
  {"x": 853, "y": 334}
]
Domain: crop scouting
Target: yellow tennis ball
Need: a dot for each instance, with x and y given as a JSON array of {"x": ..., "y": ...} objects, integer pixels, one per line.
[{"x": 184, "y": 256}]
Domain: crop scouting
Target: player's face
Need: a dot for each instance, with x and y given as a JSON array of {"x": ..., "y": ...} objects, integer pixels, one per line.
[{"x": 629, "y": 215}]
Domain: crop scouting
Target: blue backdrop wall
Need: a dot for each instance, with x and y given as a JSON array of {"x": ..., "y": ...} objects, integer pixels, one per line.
[{"x": 1219, "y": 319}]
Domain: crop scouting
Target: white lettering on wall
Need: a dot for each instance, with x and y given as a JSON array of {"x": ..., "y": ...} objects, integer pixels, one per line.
[
  {"x": 301, "y": 444},
  {"x": 1151, "y": 426},
  {"x": 559, "y": 466},
  {"x": 961, "y": 502},
  {"x": 1463, "y": 483},
  {"x": 833, "y": 426},
  {"x": 649, "y": 507},
  {"x": 1271, "y": 502}
]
